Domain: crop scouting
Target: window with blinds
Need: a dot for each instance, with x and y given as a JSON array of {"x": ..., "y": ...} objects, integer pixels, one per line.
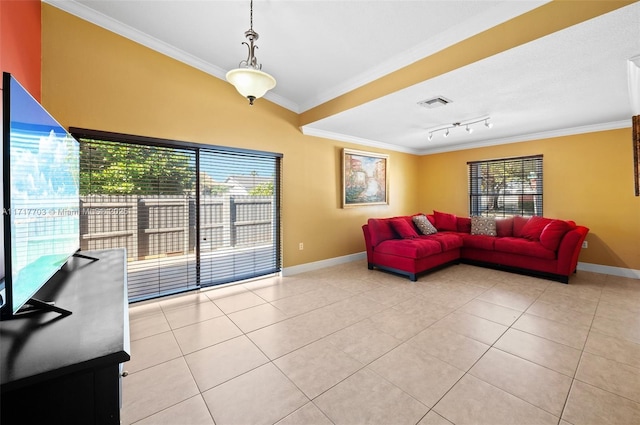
[
  {"x": 189, "y": 215},
  {"x": 239, "y": 215},
  {"x": 506, "y": 187}
]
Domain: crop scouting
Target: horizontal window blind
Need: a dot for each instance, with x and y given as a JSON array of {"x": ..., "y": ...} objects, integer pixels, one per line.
[
  {"x": 239, "y": 220},
  {"x": 506, "y": 187},
  {"x": 189, "y": 216},
  {"x": 140, "y": 198}
]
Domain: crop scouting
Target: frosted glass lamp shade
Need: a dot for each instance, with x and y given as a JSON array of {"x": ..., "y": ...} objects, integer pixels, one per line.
[{"x": 251, "y": 83}]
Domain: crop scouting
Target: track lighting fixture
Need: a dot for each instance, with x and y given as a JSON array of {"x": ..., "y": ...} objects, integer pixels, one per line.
[{"x": 466, "y": 124}]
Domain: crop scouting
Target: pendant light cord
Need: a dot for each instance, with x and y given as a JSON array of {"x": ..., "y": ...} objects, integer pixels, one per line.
[{"x": 251, "y": 16}]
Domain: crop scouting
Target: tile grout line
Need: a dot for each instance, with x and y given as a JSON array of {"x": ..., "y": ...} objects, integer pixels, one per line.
[{"x": 457, "y": 309}]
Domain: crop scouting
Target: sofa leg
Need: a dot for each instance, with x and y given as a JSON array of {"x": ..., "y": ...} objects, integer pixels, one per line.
[
  {"x": 413, "y": 277},
  {"x": 370, "y": 266}
]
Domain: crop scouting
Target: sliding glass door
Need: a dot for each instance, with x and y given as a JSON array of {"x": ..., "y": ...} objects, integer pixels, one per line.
[
  {"x": 188, "y": 215},
  {"x": 239, "y": 220}
]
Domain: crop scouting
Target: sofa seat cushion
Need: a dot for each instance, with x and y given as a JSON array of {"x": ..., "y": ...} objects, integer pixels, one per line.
[
  {"x": 522, "y": 246},
  {"x": 447, "y": 240},
  {"x": 479, "y": 242},
  {"x": 410, "y": 248}
]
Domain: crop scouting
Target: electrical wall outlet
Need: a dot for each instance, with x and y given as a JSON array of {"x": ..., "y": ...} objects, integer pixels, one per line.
[
  {"x": 585, "y": 244},
  {"x": 300, "y": 246}
]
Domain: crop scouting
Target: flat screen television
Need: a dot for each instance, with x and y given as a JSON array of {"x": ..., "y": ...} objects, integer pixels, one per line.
[{"x": 40, "y": 195}]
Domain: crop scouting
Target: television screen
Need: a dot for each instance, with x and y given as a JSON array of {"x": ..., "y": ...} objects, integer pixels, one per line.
[{"x": 40, "y": 195}]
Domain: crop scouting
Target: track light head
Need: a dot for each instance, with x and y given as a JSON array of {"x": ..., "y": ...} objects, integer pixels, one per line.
[{"x": 467, "y": 125}]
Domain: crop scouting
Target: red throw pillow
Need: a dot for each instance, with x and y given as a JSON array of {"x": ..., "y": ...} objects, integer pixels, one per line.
[
  {"x": 403, "y": 228},
  {"x": 552, "y": 234},
  {"x": 446, "y": 221},
  {"x": 504, "y": 227},
  {"x": 534, "y": 227}
]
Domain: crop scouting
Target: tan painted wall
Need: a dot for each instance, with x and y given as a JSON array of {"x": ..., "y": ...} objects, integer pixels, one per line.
[
  {"x": 92, "y": 78},
  {"x": 95, "y": 79},
  {"x": 588, "y": 178}
]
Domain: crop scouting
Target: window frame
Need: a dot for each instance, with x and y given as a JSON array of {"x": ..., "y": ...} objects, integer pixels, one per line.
[
  {"x": 505, "y": 187},
  {"x": 201, "y": 278}
]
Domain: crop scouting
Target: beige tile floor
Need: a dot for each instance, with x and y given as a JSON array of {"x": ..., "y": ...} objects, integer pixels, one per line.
[{"x": 346, "y": 345}]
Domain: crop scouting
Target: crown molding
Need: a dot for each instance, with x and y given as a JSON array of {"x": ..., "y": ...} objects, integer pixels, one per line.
[
  {"x": 310, "y": 131},
  {"x": 103, "y": 21},
  {"x": 614, "y": 125},
  {"x": 572, "y": 131}
]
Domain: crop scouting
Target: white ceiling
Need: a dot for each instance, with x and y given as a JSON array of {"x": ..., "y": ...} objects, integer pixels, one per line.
[{"x": 569, "y": 82}]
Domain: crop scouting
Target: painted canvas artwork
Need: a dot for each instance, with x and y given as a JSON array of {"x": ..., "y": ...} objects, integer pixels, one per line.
[{"x": 364, "y": 178}]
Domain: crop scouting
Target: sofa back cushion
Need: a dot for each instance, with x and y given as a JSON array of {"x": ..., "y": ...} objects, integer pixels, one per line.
[
  {"x": 380, "y": 230},
  {"x": 403, "y": 228},
  {"x": 445, "y": 221},
  {"x": 553, "y": 232},
  {"x": 504, "y": 227},
  {"x": 518, "y": 224},
  {"x": 464, "y": 225},
  {"x": 534, "y": 227}
]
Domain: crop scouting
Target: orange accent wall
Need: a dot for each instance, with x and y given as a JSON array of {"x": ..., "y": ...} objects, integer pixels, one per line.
[{"x": 20, "y": 43}]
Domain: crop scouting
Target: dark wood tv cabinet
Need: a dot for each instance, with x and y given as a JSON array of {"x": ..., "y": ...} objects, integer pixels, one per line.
[{"x": 67, "y": 369}]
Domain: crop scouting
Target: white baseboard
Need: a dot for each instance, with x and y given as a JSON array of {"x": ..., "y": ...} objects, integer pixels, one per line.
[
  {"x": 308, "y": 267},
  {"x": 614, "y": 271},
  {"x": 587, "y": 267}
]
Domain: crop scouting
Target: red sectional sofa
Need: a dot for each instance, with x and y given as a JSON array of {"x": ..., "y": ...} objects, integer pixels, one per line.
[{"x": 538, "y": 246}]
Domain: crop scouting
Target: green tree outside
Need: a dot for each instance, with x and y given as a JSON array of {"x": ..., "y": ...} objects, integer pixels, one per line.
[{"x": 112, "y": 169}]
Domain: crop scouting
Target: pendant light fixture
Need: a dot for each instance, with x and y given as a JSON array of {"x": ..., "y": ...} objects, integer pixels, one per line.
[{"x": 250, "y": 81}]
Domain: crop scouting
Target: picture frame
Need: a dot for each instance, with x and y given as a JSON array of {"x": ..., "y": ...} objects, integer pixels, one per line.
[
  {"x": 636, "y": 153},
  {"x": 365, "y": 178}
]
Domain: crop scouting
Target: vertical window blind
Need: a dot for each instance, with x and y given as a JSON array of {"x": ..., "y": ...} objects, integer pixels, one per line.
[
  {"x": 189, "y": 215},
  {"x": 506, "y": 187}
]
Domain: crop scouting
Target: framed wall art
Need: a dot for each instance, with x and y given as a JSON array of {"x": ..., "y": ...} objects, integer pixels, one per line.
[
  {"x": 636, "y": 152},
  {"x": 365, "y": 178}
]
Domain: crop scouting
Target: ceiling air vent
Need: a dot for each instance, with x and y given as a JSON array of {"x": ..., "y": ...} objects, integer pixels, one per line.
[{"x": 435, "y": 102}]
